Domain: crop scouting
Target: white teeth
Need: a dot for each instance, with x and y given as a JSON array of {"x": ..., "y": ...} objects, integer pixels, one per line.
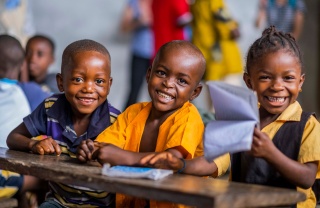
[
  {"x": 167, "y": 97},
  {"x": 86, "y": 99},
  {"x": 275, "y": 99}
]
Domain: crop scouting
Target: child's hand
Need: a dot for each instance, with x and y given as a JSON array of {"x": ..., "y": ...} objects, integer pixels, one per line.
[
  {"x": 45, "y": 146},
  {"x": 108, "y": 153},
  {"x": 85, "y": 150},
  {"x": 262, "y": 145},
  {"x": 163, "y": 160}
]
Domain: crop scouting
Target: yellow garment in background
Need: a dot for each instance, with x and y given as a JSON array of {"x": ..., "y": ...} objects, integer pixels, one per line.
[
  {"x": 183, "y": 128},
  {"x": 211, "y": 29}
]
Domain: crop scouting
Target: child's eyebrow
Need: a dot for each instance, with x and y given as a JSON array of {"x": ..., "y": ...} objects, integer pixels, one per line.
[{"x": 180, "y": 74}]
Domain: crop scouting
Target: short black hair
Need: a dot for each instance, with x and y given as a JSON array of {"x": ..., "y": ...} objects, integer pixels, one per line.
[
  {"x": 81, "y": 46},
  {"x": 44, "y": 38},
  {"x": 11, "y": 55},
  {"x": 271, "y": 41},
  {"x": 184, "y": 45}
]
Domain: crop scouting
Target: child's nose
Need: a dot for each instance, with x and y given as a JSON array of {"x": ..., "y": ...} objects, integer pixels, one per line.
[
  {"x": 88, "y": 87},
  {"x": 169, "y": 82},
  {"x": 277, "y": 84}
]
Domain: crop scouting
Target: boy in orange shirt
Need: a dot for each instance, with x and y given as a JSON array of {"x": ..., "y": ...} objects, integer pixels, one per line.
[{"x": 168, "y": 123}]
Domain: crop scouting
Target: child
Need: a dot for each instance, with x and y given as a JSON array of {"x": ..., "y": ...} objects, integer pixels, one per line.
[
  {"x": 168, "y": 123},
  {"x": 286, "y": 151},
  {"x": 16, "y": 101},
  {"x": 39, "y": 56},
  {"x": 62, "y": 121}
]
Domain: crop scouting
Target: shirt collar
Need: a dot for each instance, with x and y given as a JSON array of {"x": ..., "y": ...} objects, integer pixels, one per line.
[
  {"x": 291, "y": 113},
  {"x": 61, "y": 111}
]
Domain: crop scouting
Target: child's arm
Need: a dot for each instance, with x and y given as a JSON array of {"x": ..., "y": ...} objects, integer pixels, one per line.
[
  {"x": 302, "y": 175},
  {"x": 19, "y": 139},
  {"x": 198, "y": 166},
  {"x": 108, "y": 153}
]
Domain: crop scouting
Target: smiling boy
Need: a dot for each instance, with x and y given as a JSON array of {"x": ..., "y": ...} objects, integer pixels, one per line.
[
  {"x": 168, "y": 123},
  {"x": 62, "y": 121}
]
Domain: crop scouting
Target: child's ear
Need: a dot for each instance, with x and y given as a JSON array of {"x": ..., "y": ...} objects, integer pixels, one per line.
[
  {"x": 59, "y": 82},
  {"x": 196, "y": 92},
  {"x": 247, "y": 80},
  {"x": 148, "y": 74},
  {"x": 110, "y": 84},
  {"x": 302, "y": 78}
]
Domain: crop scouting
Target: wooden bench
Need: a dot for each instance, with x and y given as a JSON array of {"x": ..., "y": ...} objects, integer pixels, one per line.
[
  {"x": 8, "y": 203},
  {"x": 177, "y": 188}
]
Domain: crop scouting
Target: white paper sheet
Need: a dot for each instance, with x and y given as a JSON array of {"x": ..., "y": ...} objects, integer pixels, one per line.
[{"x": 236, "y": 110}]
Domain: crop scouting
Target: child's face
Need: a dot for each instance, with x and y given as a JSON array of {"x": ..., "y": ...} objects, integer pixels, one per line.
[
  {"x": 277, "y": 79},
  {"x": 86, "y": 81},
  {"x": 39, "y": 57},
  {"x": 173, "y": 79}
]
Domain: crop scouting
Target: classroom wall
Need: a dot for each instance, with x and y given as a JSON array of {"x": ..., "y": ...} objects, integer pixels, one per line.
[{"x": 310, "y": 45}]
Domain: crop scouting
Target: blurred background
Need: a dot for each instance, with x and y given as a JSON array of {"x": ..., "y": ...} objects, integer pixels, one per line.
[{"x": 99, "y": 20}]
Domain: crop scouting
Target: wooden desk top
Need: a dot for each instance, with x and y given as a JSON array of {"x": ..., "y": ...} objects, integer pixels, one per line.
[{"x": 178, "y": 188}]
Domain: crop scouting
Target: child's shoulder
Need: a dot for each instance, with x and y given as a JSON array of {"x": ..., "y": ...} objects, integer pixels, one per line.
[
  {"x": 189, "y": 113},
  {"x": 112, "y": 110}
]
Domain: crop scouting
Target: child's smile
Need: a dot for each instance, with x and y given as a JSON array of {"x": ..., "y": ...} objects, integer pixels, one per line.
[
  {"x": 164, "y": 97},
  {"x": 86, "y": 100}
]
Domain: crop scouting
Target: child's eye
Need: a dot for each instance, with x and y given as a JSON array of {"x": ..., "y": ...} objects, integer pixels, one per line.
[
  {"x": 40, "y": 54},
  {"x": 288, "y": 78},
  {"x": 160, "y": 73},
  {"x": 264, "y": 77},
  {"x": 99, "y": 81},
  {"x": 77, "y": 79},
  {"x": 182, "y": 81}
]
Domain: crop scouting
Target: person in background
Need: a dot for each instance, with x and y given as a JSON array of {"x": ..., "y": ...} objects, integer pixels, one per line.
[
  {"x": 215, "y": 32},
  {"x": 285, "y": 15},
  {"x": 170, "y": 18},
  {"x": 81, "y": 111},
  {"x": 137, "y": 19},
  {"x": 16, "y": 101},
  {"x": 168, "y": 123},
  {"x": 39, "y": 57},
  {"x": 285, "y": 150}
]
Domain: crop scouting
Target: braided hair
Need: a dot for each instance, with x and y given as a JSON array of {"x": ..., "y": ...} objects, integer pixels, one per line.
[{"x": 272, "y": 41}]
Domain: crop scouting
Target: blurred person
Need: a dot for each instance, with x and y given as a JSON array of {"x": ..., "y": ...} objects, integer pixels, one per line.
[
  {"x": 16, "y": 101},
  {"x": 285, "y": 15},
  {"x": 16, "y": 19},
  {"x": 215, "y": 32},
  {"x": 39, "y": 57},
  {"x": 170, "y": 18},
  {"x": 137, "y": 19}
]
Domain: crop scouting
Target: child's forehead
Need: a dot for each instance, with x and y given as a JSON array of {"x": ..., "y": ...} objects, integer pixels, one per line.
[
  {"x": 82, "y": 58},
  {"x": 283, "y": 60}
]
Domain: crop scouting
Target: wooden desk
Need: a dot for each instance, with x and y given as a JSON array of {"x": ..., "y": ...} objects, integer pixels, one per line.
[{"x": 190, "y": 190}]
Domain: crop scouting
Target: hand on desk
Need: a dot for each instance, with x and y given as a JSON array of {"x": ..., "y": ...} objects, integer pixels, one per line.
[
  {"x": 46, "y": 145},
  {"x": 90, "y": 150},
  {"x": 163, "y": 160},
  {"x": 86, "y": 150}
]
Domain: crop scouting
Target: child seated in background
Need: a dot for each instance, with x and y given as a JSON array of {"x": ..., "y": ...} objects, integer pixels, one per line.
[
  {"x": 16, "y": 101},
  {"x": 39, "y": 57},
  {"x": 286, "y": 150},
  {"x": 168, "y": 123},
  {"x": 63, "y": 120}
]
